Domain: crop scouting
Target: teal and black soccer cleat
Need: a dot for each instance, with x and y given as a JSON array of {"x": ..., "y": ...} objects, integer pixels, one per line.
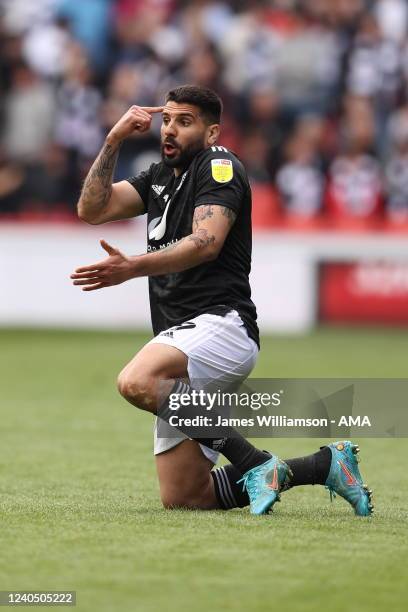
[
  {"x": 344, "y": 478},
  {"x": 264, "y": 484}
]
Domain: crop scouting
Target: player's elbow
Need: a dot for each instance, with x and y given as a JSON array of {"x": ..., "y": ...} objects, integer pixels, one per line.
[
  {"x": 211, "y": 252},
  {"x": 208, "y": 245},
  {"x": 207, "y": 255},
  {"x": 211, "y": 255},
  {"x": 210, "y": 249},
  {"x": 83, "y": 215}
]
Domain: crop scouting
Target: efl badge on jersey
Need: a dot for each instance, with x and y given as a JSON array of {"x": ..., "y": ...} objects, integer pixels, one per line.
[{"x": 222, "y": 170}]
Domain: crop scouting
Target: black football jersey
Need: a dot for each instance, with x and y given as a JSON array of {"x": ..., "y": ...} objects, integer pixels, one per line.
[{"x": 215, "y": 176}]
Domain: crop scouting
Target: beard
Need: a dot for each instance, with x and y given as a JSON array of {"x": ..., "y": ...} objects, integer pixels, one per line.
[{"x": 182, "y": 156}]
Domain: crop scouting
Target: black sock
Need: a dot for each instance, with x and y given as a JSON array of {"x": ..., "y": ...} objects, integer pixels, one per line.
[
  {"x": 241, "y": 453},
  {"x": 309, "y": 470},
  {"x": 229, "y": 494}
]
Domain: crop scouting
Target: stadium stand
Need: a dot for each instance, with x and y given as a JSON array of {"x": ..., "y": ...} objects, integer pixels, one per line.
[{"x": 315, "y": 93}]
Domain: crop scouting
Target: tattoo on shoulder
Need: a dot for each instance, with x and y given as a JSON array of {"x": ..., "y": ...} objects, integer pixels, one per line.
[{"x": 230, "y": 214}]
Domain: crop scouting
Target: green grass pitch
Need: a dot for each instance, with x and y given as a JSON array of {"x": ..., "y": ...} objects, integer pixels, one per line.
[{"x": 80, "y": 507}]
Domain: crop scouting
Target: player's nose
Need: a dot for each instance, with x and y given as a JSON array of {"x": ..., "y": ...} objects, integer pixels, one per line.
[{"x": 169, "y": 129}]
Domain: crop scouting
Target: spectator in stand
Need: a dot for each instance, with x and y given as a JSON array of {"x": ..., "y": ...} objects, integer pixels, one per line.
[
  {"x": 45, "y": 47},
  {"x": 392, "y": 17},
  {"x": 89, "y": 23},
  {"x": 142, "y": 26},
  {"x": 309, "y": 88},
  {"x": 255, "y": 154},
  {"x": 300, "y": 180},
  {"x": 355, "y": 189},
  {"x": 206, "y": 21},
  {"x": 29, "y": 111},
  {"x": 260, "y": 112},
  {"x": 249, "y": 50},
  {"x": 78, "y": 126},
  {"x": 308, "y": 64},
  {"x": 20, "y": 16},
  {"x": 397, "y": 168},
  {"x": 375, "y": 70},
  {"x": 10, "y": 55},
  {"x": 203, "y": 66}
]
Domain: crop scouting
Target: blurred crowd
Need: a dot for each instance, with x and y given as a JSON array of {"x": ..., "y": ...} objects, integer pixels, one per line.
[{"x": 315, "y": 94}]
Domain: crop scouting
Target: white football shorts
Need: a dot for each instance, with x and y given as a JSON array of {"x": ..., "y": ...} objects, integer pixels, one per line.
[{"x": 219, "y": 351}]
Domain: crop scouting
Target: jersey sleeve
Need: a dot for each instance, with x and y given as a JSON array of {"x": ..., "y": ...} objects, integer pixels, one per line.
[
  {"x": 220, "y": 180},
  {"x": 142, "y": 183}
]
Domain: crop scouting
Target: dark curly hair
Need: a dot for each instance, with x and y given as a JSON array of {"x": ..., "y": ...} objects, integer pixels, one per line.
[{"x": 209, "y": 103}]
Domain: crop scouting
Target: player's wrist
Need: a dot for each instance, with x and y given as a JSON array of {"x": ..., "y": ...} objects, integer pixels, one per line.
[
  {"x": 113, "y": 140},
  {"x": 135, "y": 266}
]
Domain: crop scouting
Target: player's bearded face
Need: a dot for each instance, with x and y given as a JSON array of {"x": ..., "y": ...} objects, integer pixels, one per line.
[
  {"x": 182, "y": 134},
  {"x": 180, "y": 155}
]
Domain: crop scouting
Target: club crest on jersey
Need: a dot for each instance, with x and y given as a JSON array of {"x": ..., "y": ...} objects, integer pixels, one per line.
[{"x": 222, "y": 170}]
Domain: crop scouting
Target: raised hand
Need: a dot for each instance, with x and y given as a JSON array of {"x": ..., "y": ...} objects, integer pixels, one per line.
[
  {"x": 136, "y": 119},
  {"x": 115, "y": 269}
]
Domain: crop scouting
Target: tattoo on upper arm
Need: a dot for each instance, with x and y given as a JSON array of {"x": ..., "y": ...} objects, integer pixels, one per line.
[
  {"x": 230, "y": 214},
  {"x": 206, "y": 211},
  {"x": 97, "y": 187},
  {"x": 201, "y": 213},
  {"x": 201, "y": 236}
]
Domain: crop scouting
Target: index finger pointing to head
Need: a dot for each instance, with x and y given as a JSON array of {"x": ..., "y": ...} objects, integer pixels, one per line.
[{"x": 152, "y": 109}]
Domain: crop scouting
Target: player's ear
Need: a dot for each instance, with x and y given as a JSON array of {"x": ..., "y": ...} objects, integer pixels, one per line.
[{"x": 213, "y": 132}]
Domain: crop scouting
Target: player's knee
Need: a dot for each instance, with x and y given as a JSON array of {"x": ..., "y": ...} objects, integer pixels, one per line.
[
  {"x": 175, "y": 501},
  {"x": 188, "y": 502},
  {"x": 172, "y": 501},
  {"x": 138, "y": 390},
  {"x": 192, "y": 498}
]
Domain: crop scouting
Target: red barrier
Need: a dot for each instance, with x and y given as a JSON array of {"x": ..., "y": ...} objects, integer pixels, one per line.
[{"x": 364, "y": 292}]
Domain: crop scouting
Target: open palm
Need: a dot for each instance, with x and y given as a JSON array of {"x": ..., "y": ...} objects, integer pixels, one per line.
[{"x": 115, "y": 269}]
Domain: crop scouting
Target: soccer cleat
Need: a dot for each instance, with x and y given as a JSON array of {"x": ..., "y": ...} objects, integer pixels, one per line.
[
  {"x": 264, "y": 484},
  {"x": 344, "y": 478}
]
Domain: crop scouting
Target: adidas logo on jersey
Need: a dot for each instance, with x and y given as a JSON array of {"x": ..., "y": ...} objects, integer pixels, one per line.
[
  {"x": 158, "y": 188},
  {"x": 168, "y": 334},
  {"x": 218, "y": 148}
]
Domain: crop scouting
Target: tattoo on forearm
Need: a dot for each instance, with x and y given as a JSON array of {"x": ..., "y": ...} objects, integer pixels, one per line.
[
  {"x": 230, "y": 214},
  {"x": 172, "y": 246},
  {"x": 98, "y": 184},
  {"x": 201, "y": 238}
]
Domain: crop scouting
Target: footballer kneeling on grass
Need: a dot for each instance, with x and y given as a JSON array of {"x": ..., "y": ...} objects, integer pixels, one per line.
[{"x": 198, "y": 207}]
